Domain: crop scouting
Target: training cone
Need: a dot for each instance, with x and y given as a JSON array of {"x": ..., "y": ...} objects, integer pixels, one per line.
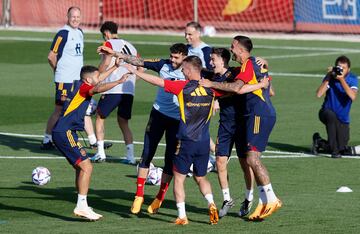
[{"x": 344, "y": 189}]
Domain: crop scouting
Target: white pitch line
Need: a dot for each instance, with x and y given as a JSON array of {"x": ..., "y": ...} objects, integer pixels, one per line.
[
  {"x": 327, "y": 49},
  {"x": 30, "y": 157},
  {"x": 83, "y": 139},
  {"x": 285, "y": 156},
  {"x": 296, "y": 74},
  {"x": 276, "y": 153},
  {"x": 135, "y": 142},
  {"x": 156, "y": 157},
  {"x": 303, "y": 55}
]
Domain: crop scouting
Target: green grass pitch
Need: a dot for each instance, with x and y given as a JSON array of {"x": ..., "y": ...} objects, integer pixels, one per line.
[{"x": 306, "y": 185}]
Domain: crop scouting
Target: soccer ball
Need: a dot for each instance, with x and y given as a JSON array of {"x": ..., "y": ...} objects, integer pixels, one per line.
[
  {"x": 154, "y": 176},
  {"x": 209, "y": 31},
  {"x": 41, "y": 176}
]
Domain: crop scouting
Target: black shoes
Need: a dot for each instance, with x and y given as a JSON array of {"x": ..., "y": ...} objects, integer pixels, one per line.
[
  {"x": 107, "y": 145},
  {"x": 336, "y": 155},
  {"x": 47, "y": 146},
  {"x": 315, "y": 144}
]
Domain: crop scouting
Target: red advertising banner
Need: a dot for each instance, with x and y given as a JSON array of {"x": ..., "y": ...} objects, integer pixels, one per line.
[
  {"x": 228, "y": 15},
  {"x": 253, "y": 15},
  {"x": 51, "y": 13}
]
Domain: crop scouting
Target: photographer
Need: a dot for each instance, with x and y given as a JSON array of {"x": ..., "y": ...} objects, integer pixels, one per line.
[{"x": 340, "y": 89}]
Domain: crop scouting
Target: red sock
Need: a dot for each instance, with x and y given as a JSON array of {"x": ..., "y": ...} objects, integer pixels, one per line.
[
  {"x": 140, "y": 187},
  {"x": 162, "y": 191}
]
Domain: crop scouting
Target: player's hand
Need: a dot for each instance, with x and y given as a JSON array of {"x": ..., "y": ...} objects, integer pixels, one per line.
[
  {"x": 118, "y": 62},
  {"x": 340, "y": 77},
  {"x": 124, "y": 78},
  {"x": 105, "y": 50},
  {"x": 205, "y": 83},
  {"x": 216, "y": 107},
  {"x": 265, "y": 82},
  {"x": 263, "y": 63},
  {"x": 130, "y": 68}
]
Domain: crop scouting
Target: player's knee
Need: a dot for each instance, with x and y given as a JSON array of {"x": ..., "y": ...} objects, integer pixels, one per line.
[
  {"x": 199, "y": 179},
  {"x": 221, "y": 163},
  {"x": 250, "y": 160},
  {"x": 86, "y": 166},
  {"x": 168, "y": 170}
]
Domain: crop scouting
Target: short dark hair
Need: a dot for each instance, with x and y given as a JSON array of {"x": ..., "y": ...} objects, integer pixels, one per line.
[
  {"x": 195, "y": 25},
  {"x": 110, "y": 26},
  {"x": 86, "y": 70},
  {"x": 245, "y": 42},
  {"x": 179, "y": 48},
  {"x": 195, "y": 61},
  {"x": 71, "y": 8},
  {"x": 223, "y": 53},
  {"x": 343, "y": 59}
]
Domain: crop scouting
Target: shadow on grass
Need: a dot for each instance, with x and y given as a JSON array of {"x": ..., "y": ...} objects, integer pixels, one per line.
[
  {"x": 99, "y": 199},
  {"x": 18, "y": 143},
  {"x": 288, "y": 147},
  {"x": 25, "y": 143}
]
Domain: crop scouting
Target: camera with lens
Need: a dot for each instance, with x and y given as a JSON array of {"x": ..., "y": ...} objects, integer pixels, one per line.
[{"x": 336, "y": 71}]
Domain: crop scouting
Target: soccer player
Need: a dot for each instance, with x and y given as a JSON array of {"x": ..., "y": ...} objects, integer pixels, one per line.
[
  {"x": 164, "y": 118},
  {"x": 220, "y": 58},
  {"x": 255, "y": 119},
  {"x": 72, "y": 120},
  {"x": 120, "y": 96},
  {"x": 195, "y": 103},
  {"x": 202, "y": 50},
  {"x": 65, "y": 59},
  {"x": 196, "y": 46}
]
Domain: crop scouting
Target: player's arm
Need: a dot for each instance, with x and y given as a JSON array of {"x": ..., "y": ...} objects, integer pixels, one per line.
[
  {"x": 271, "y": 90},
  {"x": 352, "y": 93},
  {"x": 105, "y": 58},
  {"x": 247, "y": 88},
  {"x": 57, "y": 47},
  {"x": 241, "y": 79},
  {"x": 106, "y": 73},
  {"x": 234, "y": 87},
  {"x": 207, "y": 57},
  {"x": 105, "y": 61},
  {"x": 103, "y": 87},
  {"x": 52, "y": 59},
  {"x": 147, "y": 77},
  {"x": 131, "y": 59},
  {"x": 324, "y": 85}
]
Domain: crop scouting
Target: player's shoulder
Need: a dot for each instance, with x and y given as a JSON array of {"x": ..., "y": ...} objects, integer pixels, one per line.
[
  {"x": 63, "y": 32},
  {"x": 205, "y": 47},
  {"x": 353, "y": 76},
  {"x": 353, "y": 79},
  {"x": 130, "y": 48}
]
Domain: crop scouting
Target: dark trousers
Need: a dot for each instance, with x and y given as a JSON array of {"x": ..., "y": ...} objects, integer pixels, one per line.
[
  {"x": 159, "y": 124},
  {"x": 338, "y": 132}
]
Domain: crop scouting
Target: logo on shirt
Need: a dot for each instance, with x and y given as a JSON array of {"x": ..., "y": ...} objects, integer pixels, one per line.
[
  {"x": 78, "y": 49},
  {"x": 199, "y": 91}
]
